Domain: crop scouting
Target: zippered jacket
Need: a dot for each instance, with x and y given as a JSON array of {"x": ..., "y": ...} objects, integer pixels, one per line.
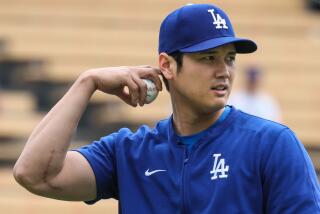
[{"x": 243, "y": 165}]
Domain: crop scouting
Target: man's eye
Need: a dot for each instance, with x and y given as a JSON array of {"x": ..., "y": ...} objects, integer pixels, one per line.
[
  {"x": 231, "y": 58},
  {"x": 208, "y": 58}
]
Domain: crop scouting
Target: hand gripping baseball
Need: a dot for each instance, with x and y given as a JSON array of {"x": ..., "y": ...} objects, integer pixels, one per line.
[{"x": 114, "y": 80}]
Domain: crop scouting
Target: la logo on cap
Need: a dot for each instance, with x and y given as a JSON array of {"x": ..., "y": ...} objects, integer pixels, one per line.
[{"x": 217, "y": 20}]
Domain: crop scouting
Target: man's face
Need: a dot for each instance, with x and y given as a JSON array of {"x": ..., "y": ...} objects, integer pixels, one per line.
[{"x": 205, "y": 79}]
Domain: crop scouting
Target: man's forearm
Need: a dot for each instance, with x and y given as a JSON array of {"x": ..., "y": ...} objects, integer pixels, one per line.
[
  {"x": 46, "y": 148},
  {"x": 44, "y": 167}
]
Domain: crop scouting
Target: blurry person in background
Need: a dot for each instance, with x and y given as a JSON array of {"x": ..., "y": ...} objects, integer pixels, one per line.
[{"x": 253, "y": 99}]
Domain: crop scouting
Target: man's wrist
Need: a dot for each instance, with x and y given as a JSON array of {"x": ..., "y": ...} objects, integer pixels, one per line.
[{"x": 87, "y": 78}]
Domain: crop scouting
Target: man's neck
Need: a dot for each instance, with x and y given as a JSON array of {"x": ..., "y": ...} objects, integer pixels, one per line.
[{"x": 186, "y": 122}]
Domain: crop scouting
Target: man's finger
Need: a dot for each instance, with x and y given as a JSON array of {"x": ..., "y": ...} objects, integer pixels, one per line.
[
  {"x": 151, "y": 73},
  {"x": 142, "y": 89},
  {"x": 126, "y": 98},
  {"x": 133, "y": 91}
]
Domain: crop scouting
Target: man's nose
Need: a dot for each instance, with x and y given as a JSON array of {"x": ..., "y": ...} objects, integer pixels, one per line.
[{"x": 221, "y": 69}]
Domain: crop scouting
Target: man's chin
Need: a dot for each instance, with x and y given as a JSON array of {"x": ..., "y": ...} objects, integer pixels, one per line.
[{"x": 215, "y": 107}]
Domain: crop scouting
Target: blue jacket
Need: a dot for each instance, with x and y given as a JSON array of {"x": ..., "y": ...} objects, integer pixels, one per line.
[{"x": 244, "y": 165}]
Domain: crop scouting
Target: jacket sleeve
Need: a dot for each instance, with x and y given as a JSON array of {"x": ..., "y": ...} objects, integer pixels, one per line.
[
  {"x": 290, "y": 184},
  {"x": 101, "y": 157}
]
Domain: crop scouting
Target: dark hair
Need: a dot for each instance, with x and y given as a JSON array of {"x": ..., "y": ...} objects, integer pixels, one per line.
[{"x": 177, "y": 56}]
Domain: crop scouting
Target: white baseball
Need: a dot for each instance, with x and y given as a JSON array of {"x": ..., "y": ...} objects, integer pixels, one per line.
[{"x": 152, "y": 91}]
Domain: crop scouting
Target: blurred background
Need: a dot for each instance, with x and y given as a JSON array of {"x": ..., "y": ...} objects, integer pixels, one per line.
[{"x": 46, "y": 44}]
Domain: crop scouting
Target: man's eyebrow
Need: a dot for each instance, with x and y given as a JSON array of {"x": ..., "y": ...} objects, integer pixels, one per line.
[
  {"x": 207, "y": 52},
  {"x": 214, "y": 52}
]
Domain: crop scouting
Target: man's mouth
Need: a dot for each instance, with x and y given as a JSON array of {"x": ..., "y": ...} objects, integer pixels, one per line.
[{"x": 220, "y": 90}]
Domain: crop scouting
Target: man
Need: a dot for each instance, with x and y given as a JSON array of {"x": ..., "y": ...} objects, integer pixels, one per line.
[{"x": 206, "y": 158}]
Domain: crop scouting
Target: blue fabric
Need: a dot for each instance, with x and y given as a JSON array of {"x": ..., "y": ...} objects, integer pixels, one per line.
[
  {"x": 190, "y": 140},
  {"x": 243, "y": 165}
]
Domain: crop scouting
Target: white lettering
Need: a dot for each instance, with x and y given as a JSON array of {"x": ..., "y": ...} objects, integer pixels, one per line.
[
  {"x": 219, "y": 167},
  {"x": 217, "y": 20}
]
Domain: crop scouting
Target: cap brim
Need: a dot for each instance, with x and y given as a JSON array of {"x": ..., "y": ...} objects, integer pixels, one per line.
[{"x": 241, "y": 45}]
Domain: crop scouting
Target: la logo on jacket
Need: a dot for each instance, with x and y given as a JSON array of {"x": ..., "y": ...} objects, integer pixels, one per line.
[{"x": 219, "y": 169}]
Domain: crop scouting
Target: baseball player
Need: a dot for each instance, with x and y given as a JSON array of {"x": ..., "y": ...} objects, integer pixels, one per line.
[{"x": 207, "y": 157}]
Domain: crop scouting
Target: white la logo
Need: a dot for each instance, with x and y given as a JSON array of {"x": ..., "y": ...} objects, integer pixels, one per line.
[
  {"x": 218, "y": 21},
  {"x": 218, "y": 167}
]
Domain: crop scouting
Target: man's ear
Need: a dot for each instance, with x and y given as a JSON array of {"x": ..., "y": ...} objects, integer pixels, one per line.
[{"x": 167, "y": 65}]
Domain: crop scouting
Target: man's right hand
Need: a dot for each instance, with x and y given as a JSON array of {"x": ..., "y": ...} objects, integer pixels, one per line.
[{"x": 114, "y": 80}]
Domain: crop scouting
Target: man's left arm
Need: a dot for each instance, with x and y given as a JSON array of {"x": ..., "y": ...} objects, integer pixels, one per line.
[{"x": 290, "y": 184}]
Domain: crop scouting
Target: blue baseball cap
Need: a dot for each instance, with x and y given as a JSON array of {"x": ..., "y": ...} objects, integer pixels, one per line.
[{"x": 199, "y": 27}]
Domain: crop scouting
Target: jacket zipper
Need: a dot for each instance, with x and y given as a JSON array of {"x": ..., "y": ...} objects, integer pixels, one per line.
[{"x": 185, "y": 161}]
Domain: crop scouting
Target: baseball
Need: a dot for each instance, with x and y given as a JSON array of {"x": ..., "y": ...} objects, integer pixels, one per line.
[{"x": 152, "y": 91}]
